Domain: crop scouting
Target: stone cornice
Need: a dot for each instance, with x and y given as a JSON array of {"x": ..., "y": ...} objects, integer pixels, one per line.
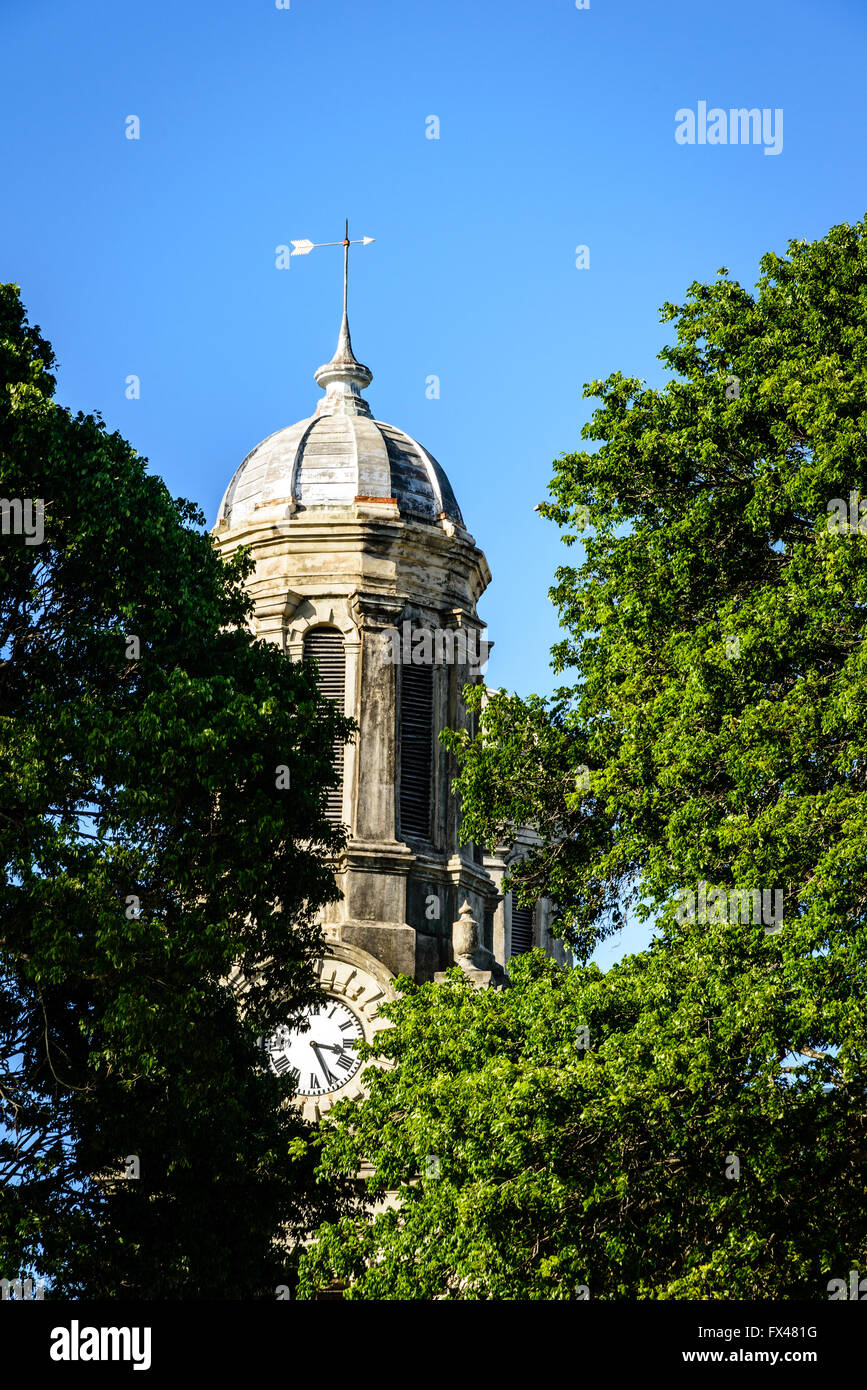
[{"x": 341, "y": 532}]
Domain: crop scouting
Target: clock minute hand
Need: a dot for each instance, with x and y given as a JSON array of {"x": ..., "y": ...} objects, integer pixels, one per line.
[{"x": 329, "y": 1074}]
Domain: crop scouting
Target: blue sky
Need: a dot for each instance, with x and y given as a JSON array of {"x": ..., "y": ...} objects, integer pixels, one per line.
[{"x": 156, "y": 256}]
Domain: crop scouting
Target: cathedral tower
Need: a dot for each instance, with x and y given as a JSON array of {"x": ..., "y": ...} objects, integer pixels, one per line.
[{"x": 362, "y": 560}]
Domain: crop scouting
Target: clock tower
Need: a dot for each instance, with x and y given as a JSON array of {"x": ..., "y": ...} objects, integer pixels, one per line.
[{"x": 363, "y": 562}]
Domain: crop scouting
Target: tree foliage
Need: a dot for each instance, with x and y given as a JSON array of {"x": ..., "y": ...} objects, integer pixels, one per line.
[
  {"x": 705, "y": 532},
  {"x": 711, "y": 739},
  {"x": 634, "y": 1134},
  {"x": 148, "y": 850}
]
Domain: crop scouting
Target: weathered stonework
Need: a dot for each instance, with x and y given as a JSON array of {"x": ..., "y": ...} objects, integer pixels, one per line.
[
  {"x": 474, "y": 959},
  {"x": 351, "y": 524}
]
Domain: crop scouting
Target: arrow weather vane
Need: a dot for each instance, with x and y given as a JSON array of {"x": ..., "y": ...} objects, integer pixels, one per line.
[{"x": 303, "y": 248}]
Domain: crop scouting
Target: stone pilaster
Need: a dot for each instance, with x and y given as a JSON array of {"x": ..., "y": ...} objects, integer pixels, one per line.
[{"x": 375, "y": 811}]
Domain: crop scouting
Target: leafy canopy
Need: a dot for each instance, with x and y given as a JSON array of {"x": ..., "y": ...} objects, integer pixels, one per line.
[
  {"x": 149, "y": 844},
  {"x": 712, "y": 732}
]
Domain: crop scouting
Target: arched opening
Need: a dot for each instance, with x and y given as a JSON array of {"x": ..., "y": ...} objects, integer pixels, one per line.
[{"x": 325, "y": 646}]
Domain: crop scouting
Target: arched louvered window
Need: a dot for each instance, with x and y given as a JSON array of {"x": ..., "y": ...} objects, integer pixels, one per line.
[
  {"x": 416, "y": 749},
  {"x": 522, "y": 929},
  {"x": 325, "y": 645}
]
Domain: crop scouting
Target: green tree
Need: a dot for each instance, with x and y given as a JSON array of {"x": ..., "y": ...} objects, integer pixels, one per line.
[
  {"x": 712, "y": 739},
  {"x": 632, "y": 1134},
  {"x": 163, "y": 779}
]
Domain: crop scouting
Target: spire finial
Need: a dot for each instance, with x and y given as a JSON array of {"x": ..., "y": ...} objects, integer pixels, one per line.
[
  {"x": 346, "y": 246},
  {"x": 343, "y": 378}
]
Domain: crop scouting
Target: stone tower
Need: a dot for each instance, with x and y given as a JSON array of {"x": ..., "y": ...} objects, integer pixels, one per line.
[{"x": 360, "y": 549}]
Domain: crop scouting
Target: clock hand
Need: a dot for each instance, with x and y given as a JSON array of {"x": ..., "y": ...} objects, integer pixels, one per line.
[{"x": 329, "y": 1075}]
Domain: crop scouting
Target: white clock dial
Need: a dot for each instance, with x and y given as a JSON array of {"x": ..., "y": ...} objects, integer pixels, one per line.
[{"x": 323, "y": 1056}]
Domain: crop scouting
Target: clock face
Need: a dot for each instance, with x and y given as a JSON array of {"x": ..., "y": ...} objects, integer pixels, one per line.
[{"x": 323, "y": 1056}]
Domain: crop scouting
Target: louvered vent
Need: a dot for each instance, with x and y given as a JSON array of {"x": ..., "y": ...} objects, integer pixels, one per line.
[
  {"x": 522, "y": 929},
  {"x": 416, "y": 749},
  {"x": 325, "y": 645}
]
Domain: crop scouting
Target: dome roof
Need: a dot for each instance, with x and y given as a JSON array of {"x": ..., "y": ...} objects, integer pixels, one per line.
[{"x": 340, "y": 455}]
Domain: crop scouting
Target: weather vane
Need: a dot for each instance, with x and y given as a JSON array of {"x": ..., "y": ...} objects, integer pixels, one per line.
[{"x": 303, "y": 248}]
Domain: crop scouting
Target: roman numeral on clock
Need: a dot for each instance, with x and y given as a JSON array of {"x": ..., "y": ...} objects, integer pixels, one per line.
[
  {"x": 314, "y": 1081},
  {"x": 281, "y": 1064},
  {"x": 345, "y": 1061}
]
